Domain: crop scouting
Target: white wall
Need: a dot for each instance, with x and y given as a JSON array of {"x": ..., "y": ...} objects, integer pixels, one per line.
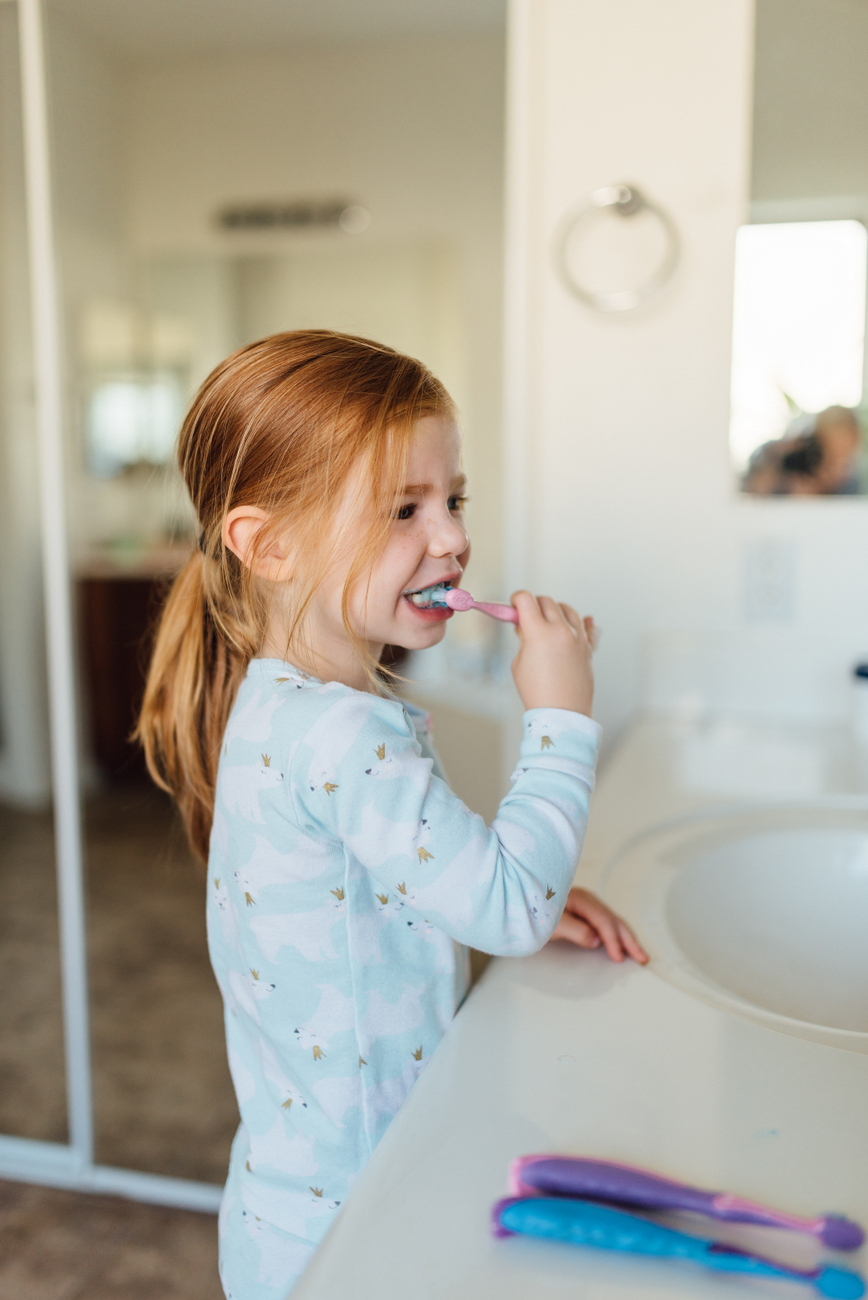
[
  {"x": 811, "y": 100},
  {"x": 618, "y": 425},
  {"x": 412, "y": 129}
]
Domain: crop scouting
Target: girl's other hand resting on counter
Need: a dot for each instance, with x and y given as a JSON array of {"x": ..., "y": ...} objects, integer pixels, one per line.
[
  {"x": 589, "y": 923},
  {"x": 552, "y": 669}
]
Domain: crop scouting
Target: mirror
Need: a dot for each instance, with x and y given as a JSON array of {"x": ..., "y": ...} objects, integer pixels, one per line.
[
  {"x": 798, "y": 413},
  {"x": 222, "y": 172}
]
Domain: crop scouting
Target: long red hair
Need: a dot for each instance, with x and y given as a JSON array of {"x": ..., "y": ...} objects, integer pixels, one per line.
[{"x": 280, "y": 424}]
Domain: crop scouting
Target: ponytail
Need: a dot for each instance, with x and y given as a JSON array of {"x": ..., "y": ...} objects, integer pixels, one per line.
[{"x": 192, "y": 682}]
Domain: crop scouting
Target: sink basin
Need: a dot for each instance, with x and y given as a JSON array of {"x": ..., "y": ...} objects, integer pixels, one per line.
[{"x": 762, "y": 911}]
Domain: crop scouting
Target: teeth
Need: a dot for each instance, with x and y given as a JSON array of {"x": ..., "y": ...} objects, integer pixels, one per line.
[{"x": 429, "y": 597}]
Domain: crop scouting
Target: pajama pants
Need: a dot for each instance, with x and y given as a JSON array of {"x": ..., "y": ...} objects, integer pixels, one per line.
[{"x": 257, "y": 1260}]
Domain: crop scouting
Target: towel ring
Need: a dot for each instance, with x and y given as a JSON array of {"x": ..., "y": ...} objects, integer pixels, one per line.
[{"x": 624, "y": 201}]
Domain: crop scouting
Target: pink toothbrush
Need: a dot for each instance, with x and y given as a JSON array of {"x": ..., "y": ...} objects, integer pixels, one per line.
[
  {"x": 455, "y": 598},
  {"x": 460, "y": 600}
]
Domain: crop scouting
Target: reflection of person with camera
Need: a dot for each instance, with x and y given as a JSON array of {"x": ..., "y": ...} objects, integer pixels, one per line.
[{"x": 821, "y": 461}]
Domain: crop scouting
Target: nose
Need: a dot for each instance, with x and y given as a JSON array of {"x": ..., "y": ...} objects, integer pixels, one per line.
[{"x": 448, "y": 536}]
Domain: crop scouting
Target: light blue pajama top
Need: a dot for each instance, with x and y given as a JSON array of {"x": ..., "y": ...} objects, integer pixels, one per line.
[{"x": 344, "y": 880}]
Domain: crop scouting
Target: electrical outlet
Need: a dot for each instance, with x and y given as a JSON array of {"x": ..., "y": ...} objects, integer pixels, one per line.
[{"x": 769, "y": 580}]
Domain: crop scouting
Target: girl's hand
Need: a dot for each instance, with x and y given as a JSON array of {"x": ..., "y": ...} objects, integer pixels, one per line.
[
  {"x": 552, "y": 669},
  {"x": 589, "y": 923}
]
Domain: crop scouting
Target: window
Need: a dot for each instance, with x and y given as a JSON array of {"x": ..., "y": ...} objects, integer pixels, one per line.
[{"x": 798, "y": 328}]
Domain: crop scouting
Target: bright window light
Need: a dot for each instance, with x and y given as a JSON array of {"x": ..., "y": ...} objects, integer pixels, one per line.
[
  {"x": 798, "y": 326},
  {"x": 132, "y": 421}
]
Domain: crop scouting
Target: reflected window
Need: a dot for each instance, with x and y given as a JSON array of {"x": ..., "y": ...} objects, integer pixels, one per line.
[
  {"x": 131, "y": 421},
  {"x": 798, "y": 352}
]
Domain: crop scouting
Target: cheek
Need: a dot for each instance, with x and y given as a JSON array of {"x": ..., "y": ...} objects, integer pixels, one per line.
[
  {"x": 390, "y": 575},
  {"x": 401, "y": 557}
]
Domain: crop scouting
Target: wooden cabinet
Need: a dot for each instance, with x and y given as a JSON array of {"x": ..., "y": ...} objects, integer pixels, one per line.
[
  {"x": 117, "y": 617},
  {"x": 118, "y": 608}
]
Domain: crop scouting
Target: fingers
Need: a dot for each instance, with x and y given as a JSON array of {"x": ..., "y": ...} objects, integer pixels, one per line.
[
  {"x": 576, "y": 931},
  {"x": 616, "y": 936},
  {"x": 631, "y": 944},
  {"x": 583, "y": 626},
  {"x": 606, "y": 926},
  {"x": 550, "y": 610},
  {"x": 529, "y": 613},
  {"x": 544, "y": 609},
  {"x": 571, "y": 617}
]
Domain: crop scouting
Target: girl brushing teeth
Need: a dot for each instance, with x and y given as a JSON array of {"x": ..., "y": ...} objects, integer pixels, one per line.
[{"x": 345, "y": 879}]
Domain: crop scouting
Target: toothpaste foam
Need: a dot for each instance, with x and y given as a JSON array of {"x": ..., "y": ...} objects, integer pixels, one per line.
[{"x": 430, "y": 597}]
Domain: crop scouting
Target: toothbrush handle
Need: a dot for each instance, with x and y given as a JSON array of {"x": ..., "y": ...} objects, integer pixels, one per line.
[
  {"x": 586, "y": 1224},
  {"x": 506, "y": 613},
  {"x": 605, "y": 1180}
]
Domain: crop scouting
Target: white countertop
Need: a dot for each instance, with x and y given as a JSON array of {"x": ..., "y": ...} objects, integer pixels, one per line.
[{"x": 566, "y": 1052}]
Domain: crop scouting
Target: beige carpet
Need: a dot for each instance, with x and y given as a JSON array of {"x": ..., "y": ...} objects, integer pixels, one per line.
[
  {"x": 162, "y": 1094},
  {"x": 71, "y": 1246}
]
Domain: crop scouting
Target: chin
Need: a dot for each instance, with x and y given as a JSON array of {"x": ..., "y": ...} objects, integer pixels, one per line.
[{"x": 424, "y": 637}]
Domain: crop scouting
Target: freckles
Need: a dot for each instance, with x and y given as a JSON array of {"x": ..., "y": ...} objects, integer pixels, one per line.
[{"x": 410, "y": 542}]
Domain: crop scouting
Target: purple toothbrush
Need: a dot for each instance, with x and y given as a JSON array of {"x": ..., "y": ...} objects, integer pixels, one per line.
[{"x": 604, "y": 1180}]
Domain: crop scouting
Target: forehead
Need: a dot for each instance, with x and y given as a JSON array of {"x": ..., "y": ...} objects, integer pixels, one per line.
[{"x": 435, "y": 450}]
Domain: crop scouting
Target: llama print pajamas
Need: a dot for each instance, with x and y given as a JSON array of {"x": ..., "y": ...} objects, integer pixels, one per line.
[{"x": 345, "y": 882}]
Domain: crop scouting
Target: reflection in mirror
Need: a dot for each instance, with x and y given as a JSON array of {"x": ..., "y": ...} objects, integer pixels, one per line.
[
  {"x": 217, "y": 181},
  {"x": 798, "y": 412},
  {"x": 32, "y": 1084}
]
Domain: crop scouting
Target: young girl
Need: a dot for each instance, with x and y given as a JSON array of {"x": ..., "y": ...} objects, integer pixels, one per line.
[{"x": 344, "y": 876}]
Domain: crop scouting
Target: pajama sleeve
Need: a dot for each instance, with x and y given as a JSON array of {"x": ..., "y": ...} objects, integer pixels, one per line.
[{"x": 359, "y": 776}]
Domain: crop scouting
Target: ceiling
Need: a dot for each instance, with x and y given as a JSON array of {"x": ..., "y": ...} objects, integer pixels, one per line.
[{"x": 137, "y": 29}]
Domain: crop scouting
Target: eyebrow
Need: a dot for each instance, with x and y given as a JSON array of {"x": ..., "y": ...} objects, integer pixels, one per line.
[{"x": 419, "y": 489}]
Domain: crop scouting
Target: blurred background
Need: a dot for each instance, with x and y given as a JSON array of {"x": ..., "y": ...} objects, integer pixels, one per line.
[
  {"x": 691, "y": 470},
  {"x": 220, "y": 171}
]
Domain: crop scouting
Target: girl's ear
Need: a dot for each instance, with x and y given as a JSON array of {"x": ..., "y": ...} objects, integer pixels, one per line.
[{"x": 240, "y": 531}]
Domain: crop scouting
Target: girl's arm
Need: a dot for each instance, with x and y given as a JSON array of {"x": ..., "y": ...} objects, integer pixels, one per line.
[{"x": 359, "y": 776}]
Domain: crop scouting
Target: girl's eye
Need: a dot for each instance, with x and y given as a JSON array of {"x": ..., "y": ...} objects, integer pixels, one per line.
[
  {"x": 405, "y": 512},
  {"x": 456, "y": 503}
]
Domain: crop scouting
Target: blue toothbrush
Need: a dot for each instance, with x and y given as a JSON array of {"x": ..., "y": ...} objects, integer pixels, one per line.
[{"x": 586, "y": 1224}]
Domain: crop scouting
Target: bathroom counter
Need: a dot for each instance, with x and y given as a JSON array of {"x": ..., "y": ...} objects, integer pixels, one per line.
[{"x": 565, "y": 1051}]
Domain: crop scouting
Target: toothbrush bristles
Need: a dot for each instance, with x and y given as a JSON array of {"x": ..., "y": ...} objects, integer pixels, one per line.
[{"x": 429, "y": 597}]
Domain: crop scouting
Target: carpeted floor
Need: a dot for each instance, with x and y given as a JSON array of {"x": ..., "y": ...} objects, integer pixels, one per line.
[
  {"x": 162, "y": 1094},
  {"x": 163, "y": 1099},
  {"x": 71, "y": 1246}
]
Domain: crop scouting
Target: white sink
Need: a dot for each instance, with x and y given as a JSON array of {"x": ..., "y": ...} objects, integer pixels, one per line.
[{"x": 762, "y": 911}]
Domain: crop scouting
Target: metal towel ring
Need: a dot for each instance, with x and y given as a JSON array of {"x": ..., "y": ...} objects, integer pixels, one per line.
[{"x": 624, "y": 201}]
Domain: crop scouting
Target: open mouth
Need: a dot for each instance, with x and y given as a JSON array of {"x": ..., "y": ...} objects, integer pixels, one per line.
[{"x": 430, "y": 597}]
